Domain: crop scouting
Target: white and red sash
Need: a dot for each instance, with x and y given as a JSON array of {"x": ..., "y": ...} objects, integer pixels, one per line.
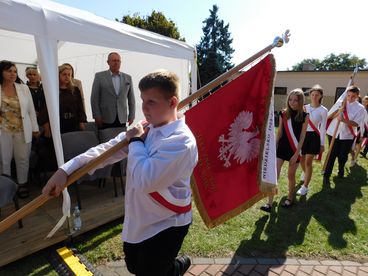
[
  {"x": 346, "y": 117},
  {"x": 290, "y": 133},
  {"x": 165, "y": 198}
]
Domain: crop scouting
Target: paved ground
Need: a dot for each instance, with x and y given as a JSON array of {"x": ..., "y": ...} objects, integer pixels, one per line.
[{"x": 256, "y": 266}]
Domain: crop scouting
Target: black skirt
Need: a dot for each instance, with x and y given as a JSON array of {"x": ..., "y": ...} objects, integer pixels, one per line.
[
  {"x": 284, "y": 150},
  {"x": 312, "y": 143}
]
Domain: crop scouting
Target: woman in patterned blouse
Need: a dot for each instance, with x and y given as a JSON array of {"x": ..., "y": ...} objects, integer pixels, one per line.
[{"x": 18, "y": 124}]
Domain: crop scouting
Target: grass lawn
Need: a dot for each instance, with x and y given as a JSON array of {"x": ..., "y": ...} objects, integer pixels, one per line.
[{"x": 330, "y": 223}]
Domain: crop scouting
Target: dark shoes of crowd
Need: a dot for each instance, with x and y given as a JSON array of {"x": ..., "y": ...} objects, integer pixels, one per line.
[
  {"x": 289, "y": 203},
  {"x": 268, "y": 207}
]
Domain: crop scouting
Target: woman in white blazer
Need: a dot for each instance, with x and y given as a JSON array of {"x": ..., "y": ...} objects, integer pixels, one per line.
[{"x": 18, "y": 123}]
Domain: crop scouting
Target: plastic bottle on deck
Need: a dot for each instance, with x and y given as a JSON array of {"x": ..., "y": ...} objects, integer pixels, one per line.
[{"x": 77, "y": 220}]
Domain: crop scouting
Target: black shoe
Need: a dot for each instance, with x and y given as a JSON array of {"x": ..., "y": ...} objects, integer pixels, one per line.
[
  {"x": 184, "y": 264},
  {"x": 266, "y": 208}
]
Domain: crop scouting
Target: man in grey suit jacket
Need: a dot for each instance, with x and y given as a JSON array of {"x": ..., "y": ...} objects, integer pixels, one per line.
[{"x": 112, "y": 98}]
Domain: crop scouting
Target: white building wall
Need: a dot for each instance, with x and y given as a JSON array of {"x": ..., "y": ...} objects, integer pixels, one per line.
[{"x": 328, "y": 80}]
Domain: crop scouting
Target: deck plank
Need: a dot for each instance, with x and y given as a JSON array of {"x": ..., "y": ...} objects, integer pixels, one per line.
[{"x": 99, "y": 206}]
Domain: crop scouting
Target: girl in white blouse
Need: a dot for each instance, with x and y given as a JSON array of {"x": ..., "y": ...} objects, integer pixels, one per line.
[{"x": 315, "y": 138}]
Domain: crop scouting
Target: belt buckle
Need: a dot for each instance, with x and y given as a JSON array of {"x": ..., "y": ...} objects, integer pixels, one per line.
[{"x": 68, "y": 116}]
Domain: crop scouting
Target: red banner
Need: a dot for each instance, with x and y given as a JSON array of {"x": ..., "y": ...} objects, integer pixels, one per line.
[{"x": 229, "y": 127}]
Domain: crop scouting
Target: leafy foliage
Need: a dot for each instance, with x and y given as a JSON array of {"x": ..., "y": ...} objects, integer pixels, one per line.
[
  {"x": 156, "y": 22},
  {"x": 332, "y": 62},
  {"x": 214, "y": 52}
]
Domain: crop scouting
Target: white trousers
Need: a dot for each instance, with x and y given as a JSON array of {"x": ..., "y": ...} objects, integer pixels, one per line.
[{"x": 13, "y": 145}]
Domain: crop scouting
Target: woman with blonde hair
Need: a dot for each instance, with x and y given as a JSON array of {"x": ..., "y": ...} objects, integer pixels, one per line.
[
  {"x": 289, "y": 141},
  {"x": 76, "y": 83},
  {"x": 72, "y": 115}
]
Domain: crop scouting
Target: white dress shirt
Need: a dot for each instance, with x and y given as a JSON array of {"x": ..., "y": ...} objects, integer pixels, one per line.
[
  {"x": 318, "y": 115},
  {"x": 356, "y": 113},
  {"x": 164, "y": 161}
]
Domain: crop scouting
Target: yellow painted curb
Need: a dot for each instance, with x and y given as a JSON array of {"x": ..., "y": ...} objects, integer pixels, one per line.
[{"x": 73, "y": 262}]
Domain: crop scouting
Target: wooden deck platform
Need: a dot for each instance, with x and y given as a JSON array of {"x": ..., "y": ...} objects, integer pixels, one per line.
[{"x": 99, "y": 206}]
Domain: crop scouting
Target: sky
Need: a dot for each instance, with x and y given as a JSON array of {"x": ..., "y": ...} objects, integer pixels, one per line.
[{"x": 318, "y": 27}]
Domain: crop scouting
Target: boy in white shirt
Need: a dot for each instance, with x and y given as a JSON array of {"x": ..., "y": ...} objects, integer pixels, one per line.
[
  {"x": 350, "y": 115},
  {"x": 161, "y": 159}
]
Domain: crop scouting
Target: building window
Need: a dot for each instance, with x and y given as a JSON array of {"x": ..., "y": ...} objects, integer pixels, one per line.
[
  {"x": 339, "y": 92},
  {"x": 280, "y": 90}
]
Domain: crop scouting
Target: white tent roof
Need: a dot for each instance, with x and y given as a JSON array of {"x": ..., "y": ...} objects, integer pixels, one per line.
[
  {"x": 58, "y": 22},
  {"x": 48, "y": 34}
]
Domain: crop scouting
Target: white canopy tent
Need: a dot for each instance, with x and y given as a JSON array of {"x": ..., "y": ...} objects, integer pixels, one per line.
[{"x": 47, "y": 34}]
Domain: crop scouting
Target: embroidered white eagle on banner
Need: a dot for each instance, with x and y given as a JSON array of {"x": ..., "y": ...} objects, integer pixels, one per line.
[{"x": 241, "y": 145}]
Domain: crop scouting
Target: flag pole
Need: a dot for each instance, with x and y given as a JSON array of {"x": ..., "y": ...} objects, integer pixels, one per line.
[
  {"x": 277, "y": 42},
  {"x": 42, "y": 199},
  {"x": 343, "y": 105}
]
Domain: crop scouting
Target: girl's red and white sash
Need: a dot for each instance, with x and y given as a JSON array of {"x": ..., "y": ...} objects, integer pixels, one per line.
[
  {"x": 290, "y": 133},
  {"x": 166, "y": 199}
]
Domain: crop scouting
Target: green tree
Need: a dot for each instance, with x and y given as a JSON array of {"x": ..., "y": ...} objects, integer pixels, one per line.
[
  {"x": 156, "y": 22},
  {"x": 214, "y": 51},
  {"x": 332, "y": 62},
  {"x": 299, "y": 66}
]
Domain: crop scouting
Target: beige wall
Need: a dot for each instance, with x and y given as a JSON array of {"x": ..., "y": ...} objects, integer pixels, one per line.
[{"x": 328, "y": 80}]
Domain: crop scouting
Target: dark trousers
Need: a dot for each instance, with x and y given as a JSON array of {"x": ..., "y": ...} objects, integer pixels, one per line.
[
  {"x": 116, "y": 123},
  {"x": 156, "y": 256},
  {"x": 340, "y": 150}
]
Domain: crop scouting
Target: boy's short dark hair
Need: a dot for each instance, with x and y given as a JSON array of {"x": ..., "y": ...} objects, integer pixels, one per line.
[
  {"x": 353, "y": 88},
  {"x": 166, "y": 81}
]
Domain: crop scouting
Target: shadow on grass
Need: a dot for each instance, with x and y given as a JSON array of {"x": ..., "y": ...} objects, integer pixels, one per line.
[
  {"x": 94, "y": 238},
  {"x": 330, "y": 207},
  {"x": 36, "y": 265}
]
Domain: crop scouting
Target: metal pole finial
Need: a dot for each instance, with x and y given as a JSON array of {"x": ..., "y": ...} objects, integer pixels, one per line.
[{"x": 279, "y": 41}]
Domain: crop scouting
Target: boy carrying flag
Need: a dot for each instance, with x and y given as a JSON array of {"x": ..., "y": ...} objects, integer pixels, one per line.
[{"x": 161, "y": 157}]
